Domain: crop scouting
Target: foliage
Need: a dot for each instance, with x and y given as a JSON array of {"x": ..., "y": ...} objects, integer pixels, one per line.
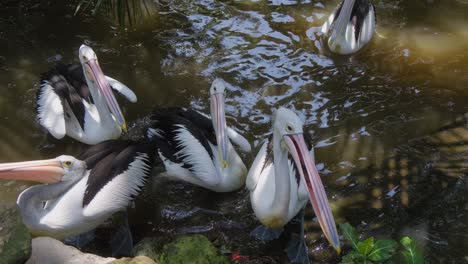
[
  {"x": 378, "y": 250},
  {"x": 410, "y": 252},
  {"x": 125, "y": 11}
]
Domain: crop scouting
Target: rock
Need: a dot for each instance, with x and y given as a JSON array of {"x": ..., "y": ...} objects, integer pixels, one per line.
[
  {"x": 195, "y": 249},
  {"x": 15, "y": 240},
  {"x": 135, "y": 260},
  {"x": 51, "y": 251},
  {"x": 150, "y": 247}
]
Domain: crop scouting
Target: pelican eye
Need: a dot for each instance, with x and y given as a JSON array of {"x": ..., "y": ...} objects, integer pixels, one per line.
[
  {"x": 289, "y": 128},
  {"x": 67, "y": 164}
]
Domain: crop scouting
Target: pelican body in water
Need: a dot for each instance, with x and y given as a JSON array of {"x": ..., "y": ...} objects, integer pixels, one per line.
[
  {"x": 350, "y": 26},
  {"x": 80, "y": 193},
  {"x": 283, "y": 178},
  {"x": 197, "y": 148},
  {"x": 77, "y": 100}
]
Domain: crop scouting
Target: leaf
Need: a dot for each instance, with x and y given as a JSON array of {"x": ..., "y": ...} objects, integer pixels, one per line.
[
  {"x": 353, "y": 257},
  {"x": 350, "y": 234},
  {"x": 411, "y": 253},
  {"x": 366, "y": 246},
  {"x": 383, "y": 250}
]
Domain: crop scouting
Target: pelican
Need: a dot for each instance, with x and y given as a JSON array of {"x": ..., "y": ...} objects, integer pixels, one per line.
[
  {"x": 197, "y": 148},
  {"x": 78, "y": 101},
  {"x": 350, "y": 26},
  {"x": 80, "y": 193},
  {"x": 283, "y": 178}
]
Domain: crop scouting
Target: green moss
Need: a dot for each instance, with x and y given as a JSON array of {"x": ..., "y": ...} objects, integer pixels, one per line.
[
  {"x": 191, "y": 249},
  {"x": 15, "y": 240}
]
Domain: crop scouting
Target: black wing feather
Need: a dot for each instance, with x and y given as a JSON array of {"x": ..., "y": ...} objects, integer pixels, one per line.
[
  {"x": 269, "y": 153},
  {"x": 69, "y": 83},
  {"x": 110, "y": 158},
  {"x": 168, "y": 120}
]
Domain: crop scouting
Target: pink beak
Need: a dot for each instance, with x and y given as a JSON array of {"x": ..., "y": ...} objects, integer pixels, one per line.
[
  {"x": 318, "y": 197},
  {"x": 44, "y": 171}
]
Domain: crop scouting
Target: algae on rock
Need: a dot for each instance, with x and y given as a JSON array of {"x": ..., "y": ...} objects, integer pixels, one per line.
[
  {"x": 15, "y": 240},
  {"x": 195, "y": 249}
]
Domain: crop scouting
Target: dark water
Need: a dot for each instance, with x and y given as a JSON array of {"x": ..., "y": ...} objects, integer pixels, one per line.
[{"x": 389, "y": 123}]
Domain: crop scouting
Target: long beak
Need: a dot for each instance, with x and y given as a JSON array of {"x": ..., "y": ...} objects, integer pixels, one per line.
[
  {"x": 219, "y": 123},
  {"x": 100, "y": 80},
  {"x": 301, "y": 155},
  {"x": 44, "y": 171}
]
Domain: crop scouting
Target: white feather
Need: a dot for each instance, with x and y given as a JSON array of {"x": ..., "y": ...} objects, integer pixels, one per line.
[
  {"x": 152, "y": 132},
  {"x": 262, "y": 196},
  {"x": 254, "y": 173},
  {"x": 50, "y": 111},
  {"x": 116, "y": 194},
  {"x": 193, "y": 152},
  {"x": 238, "y": 139},
  {"x": 65, "y": 217},
  {"x": 122, "y": 89},
  {"x": 261, "y": 184}
]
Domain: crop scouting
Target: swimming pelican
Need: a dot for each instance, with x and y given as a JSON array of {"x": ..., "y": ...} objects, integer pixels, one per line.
[
  {"x": 77, "y": 100},
  {"x": 350, "y": 26},
  {"x": 283, "y": 178},
  {"x": 82, "y": 192},
  {"x": 197, "y": 148}
]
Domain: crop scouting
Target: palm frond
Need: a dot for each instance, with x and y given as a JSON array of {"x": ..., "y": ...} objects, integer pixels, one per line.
[{"x": 123, "y": 11}]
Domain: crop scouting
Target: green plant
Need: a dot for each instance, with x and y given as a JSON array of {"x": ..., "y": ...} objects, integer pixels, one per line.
[
  {"x": 125, "y": 11},
  {"x": 410, "y": 252},
  {"x": 378, "y": 250}
]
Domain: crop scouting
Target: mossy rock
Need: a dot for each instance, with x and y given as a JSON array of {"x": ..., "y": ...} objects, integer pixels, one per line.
[
  {"x": 195, "y": 249},
  {"x": 15, "y": 240}
]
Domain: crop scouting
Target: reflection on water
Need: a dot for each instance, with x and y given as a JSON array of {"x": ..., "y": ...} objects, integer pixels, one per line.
[{"x": 379, "y": 119}]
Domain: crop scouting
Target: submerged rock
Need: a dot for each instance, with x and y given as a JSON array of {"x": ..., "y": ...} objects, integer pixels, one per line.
[
  {"x": 52, "y": 251},
  {"x": 15, "y": 240},
  {"x": 195, "y": 249}
]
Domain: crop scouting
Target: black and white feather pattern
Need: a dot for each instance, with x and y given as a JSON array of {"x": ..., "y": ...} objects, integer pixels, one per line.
[
  {"x": 360, "y": 11},
  {"x": 170, "y": 129},
  {"x": 64, "y": 84},
  {"x": 118, "y": 170},
  {"x": 268, "y": 159}
]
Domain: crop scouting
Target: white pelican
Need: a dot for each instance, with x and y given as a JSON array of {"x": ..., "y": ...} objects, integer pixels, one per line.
[
  {"x": 196, "y": 148},
  {"x": 350, "y": 26},
  {"x": 77, "y": 100},
  {"x": 283, "y": 178},
  {"x": 82, "y": 192}
]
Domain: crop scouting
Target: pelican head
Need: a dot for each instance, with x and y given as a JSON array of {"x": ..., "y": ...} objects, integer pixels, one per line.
[
  {"x": 62, "y": 168},
  {"x": 289, "y": 128},
  {"x": 219, "y": 119},
  {"x": 96, "y": 78}
]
